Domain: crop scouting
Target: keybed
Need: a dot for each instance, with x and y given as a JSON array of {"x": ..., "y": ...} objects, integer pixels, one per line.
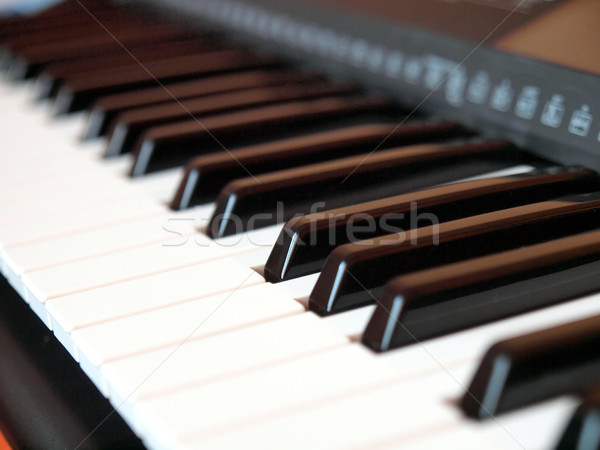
[{"x": 182, "y": 224}]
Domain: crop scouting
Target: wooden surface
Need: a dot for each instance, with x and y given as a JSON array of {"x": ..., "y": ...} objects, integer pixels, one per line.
[{"x": 567, "y": 36}]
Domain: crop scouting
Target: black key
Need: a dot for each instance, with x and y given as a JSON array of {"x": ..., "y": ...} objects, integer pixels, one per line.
[
  {"x": 583, "y": 430},
  {"x": 206, "y": 175},
  {"x": 82, "y": 26},
  {"x": 11, "y": 26},
  {"x": 86, "y": 18},
  {"x": 54, "y": 75},
  {"x": 81, "y": 54},
  {"x": 16, "y": 33},
  {"x": 452, "y": 297},
  {"x": 305, "y": 242},
  {"x": 57, "y": 71},
  {"x": 63, "y": 15},
  {"x": 354, "y": 274},
  {"x": 172, "y": 145},
  {"x": 130, "y": 125},
  {"x": 256, "y": 202},
  {"x": 106, "y": 108},
  {"x": 535, "y": 367},
  {"x": 21, "y": 35},
  {"x": 78, "y": 93},
  {"x": 46, "y": 18}
]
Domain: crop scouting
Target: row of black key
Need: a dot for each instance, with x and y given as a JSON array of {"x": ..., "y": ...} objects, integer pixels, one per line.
[{"x": 500, "y": 235}]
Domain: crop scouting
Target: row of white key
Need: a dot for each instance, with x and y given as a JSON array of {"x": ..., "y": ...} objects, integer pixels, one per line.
[
  {"x": 151, "y": 364},
  {"x": 410, "y": 366}
]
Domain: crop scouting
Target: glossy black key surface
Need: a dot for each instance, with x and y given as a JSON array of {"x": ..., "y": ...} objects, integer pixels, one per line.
[
  {"x": 53, "y": 21},
  {"x": 455, "y": 296},
  {"x": 305, "y": 242},
  {"x": 56, "y": 71},
  {"x": 83, "y": 53},
  {"x": 535, "y": 367},
  {"x": 84, "y": 25},
  {"x": 583, "y": 430},
  {"x": 256, "y": 202},
  {"x": 47, "y": 18},
  {"x": 206, "y": 175},
  {"x": 106, "y": 108},
  {"x": 173, "y": 145},
  {"x": 354, "y": 274},
  {"x": 15, "y": 25},
  {"x": 78, "y": 93},
  {"x": 17, "y": 33},
  {"x": 130, "y": 125}
]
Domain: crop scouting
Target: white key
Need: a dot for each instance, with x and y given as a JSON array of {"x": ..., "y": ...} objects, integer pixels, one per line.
[
  {"x": 166, "y": 254},
  {"x": 48, "y": 206},
  {"x": 444, "y": 350},
  {"x": 41, "y": 160},
  {"x": 147, "y": 293},
  {"x": 198, "y": 318},
  {"x": 160, "y": 186},
  {"x": 55, "y": 159},
  {"x": 215, "y": 357},
  {"x": 298, "y": 288},
  {"x": 68, "y": 166},
  {"x": 275, "y": 301},
  {"x": 70, "y": 125},
  {"x": 62, "y": 164},
  {"x": 14, "y": 196},
  {"x": 45, "y": 147},
  {"x": 90, "y": 217},
  {"x": 224, "y": 403},
  {"x": 537, "y": 427},
  {"x": 25, "y": 123},
  {"x": 32, "y": 150},
  {"x": 92, "y": 150},
  {"x": 25, "y": 132},
  {"x": 20, "y": 93},
  {"x": 17, "y": 113},
  {"x": 87, "y": 244},
  {"x": 351, "y": 323},
  {"x": 337, "y": 411},
  {"x": 49, "y": 154}
]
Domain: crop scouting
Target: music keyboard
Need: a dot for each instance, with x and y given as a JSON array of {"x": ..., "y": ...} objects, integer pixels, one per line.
[{"x": 185, "y": 336}]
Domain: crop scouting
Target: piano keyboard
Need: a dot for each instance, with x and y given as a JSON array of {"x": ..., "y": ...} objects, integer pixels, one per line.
[{"x": 252, "y": 255}]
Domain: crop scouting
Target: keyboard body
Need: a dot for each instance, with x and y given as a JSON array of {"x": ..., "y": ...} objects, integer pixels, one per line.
[{"x": 139, "y": 342}]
